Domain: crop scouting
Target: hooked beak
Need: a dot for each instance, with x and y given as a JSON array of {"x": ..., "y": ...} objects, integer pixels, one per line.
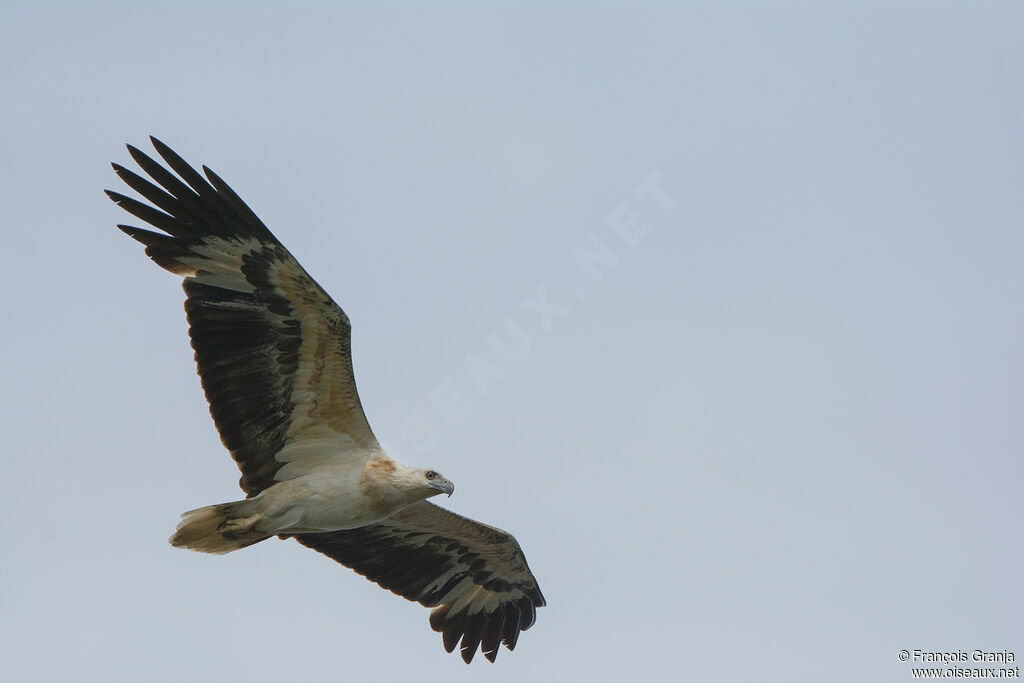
[{"x": 447, "y": 487}]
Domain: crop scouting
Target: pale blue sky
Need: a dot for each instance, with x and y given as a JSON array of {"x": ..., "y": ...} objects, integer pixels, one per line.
[{"x": 779, "y": 439}]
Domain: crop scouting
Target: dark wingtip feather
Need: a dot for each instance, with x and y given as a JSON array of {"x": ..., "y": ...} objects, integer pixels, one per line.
[
  {"x": 234, "y": 201},
  {"x": 157, "y": 219},
  {"x": 183, "y": 169},
  {"x": 132, "y": 231},
  {"x": 437, "y": 617},
  {"x": 140, "y": 157},
  {"x": 492, "y": 635},
  {"x": 454, "y": 628},
  {"x": 513, "y": 620},
  {"x": 450, "y": 638},
  {"x": 190, "y": 206},
  {"x": 471, "y": 638},
  {"x": 144, "y": 236},
  {"x": 166, "y": 152},
  {"x": 161, "y": 199},
  {"x": 175, "y": 160},
  {"x": 529, "y": 613}
]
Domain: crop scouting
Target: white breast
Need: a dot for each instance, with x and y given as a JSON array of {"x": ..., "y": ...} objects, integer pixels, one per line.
[{"x": 327, "y": 499}]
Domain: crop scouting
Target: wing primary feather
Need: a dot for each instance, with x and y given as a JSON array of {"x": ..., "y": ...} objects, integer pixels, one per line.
[
  {"x": 454, "y": 627},
  {"x": 437, "y": 617},
  {"x": 148, "y": 237},
  {"x": 472, "y": 635},
  {"x": 167, "y": 202},
  {"x": 157, "y": 219},
  {"x": 182, "y": 192},
  {"x": 234, "y": 200},
  {"x": 190, "y": 176},
  {"x": 182, "y": 168},
  {"x": 513, "y": 621},
  {"x": 492, "y": 635},
  {"x": 528, "y": 611}
]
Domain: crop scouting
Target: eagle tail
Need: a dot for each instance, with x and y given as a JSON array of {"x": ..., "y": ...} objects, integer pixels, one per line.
[{"x": 219, "y": 529}]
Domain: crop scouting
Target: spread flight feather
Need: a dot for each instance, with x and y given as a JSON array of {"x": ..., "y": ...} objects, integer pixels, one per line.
[{"x": 273, "y": 353}]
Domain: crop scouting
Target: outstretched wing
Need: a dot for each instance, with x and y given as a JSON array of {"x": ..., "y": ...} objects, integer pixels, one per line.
[
  {"x": 473, "y": 575},
  {"x": 272, "y": 348}
]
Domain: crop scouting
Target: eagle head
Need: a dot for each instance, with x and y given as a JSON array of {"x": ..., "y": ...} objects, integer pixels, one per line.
[{"x": 436, "y": 483}]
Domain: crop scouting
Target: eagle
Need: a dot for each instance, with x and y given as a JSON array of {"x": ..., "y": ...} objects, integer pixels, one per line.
[{"x": 274, "y": 356}]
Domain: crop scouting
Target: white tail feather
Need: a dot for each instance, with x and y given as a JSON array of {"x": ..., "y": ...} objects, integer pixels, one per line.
[{"x": 219, "y": 528}]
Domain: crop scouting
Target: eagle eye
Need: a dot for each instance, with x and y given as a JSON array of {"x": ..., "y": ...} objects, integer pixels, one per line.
[{"x": 431, "y": 474}]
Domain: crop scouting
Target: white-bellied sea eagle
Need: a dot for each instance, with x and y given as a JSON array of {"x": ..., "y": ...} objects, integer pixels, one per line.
[{"x": 272, "y": 349}]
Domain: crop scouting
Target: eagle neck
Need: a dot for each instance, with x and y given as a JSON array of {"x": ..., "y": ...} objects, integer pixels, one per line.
[{"x": 389, "y": 486}]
